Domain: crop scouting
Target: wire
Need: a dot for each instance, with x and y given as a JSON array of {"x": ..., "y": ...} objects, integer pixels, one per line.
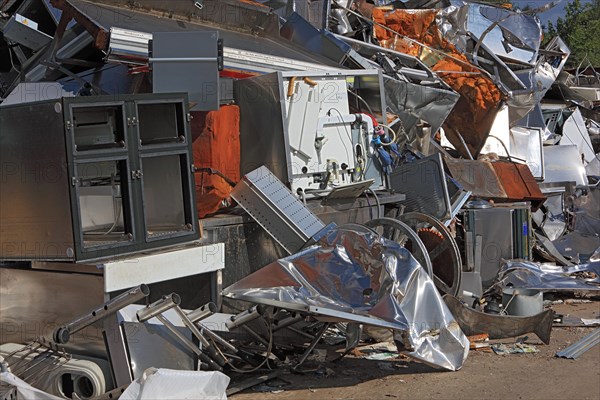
[
  {"x": 11, "y": 60},
  {"x": 363, "y": 100},
  {"x": 369, "y": 204},
  {"x": 265, "y": 361},
  {"x": 376, "y": 201},
  {"x": 394, "y": 134},
  {"x": 116, "y": 216},
  {"x": 338, "y": 131},
  {"x": 503, "y": 145},
  {"x": 213, "y": 171}
]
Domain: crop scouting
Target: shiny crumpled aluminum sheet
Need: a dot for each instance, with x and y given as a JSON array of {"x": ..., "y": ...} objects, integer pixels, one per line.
[
  {"x": 551, "y": 278},
  {"x": 354, "y": 275}
]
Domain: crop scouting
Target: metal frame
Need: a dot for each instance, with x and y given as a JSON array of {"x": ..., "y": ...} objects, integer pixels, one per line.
[{"x": 57, "y": 124}]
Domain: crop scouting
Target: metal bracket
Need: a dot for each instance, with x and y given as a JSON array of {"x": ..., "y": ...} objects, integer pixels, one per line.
[{"x": 137, "y": 174}]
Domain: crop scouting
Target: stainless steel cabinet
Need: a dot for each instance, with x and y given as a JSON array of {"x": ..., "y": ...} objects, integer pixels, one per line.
[{"x": 87, "y": 178}]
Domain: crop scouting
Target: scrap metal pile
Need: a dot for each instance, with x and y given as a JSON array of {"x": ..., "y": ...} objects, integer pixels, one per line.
[{"x": 457, "y": 107}]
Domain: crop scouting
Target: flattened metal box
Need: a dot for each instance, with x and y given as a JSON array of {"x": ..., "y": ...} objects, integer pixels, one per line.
[{"x": 87, "y": 178}]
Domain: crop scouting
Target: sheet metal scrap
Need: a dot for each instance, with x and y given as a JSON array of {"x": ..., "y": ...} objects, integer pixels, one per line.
[
  {"x": 354, "y": 275},
  {"x": 474, "y": 322},
  {"x": 415, "y": 32},
  {"x": 531, "y": 275},
  {"x": 499, "y": 181},
  {"x": 576, "y": 350},
  {"x": 506, "y": 44}
]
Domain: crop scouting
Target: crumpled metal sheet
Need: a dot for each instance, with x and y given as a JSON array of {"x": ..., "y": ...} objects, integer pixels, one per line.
[
  {"x": 575, "y": 132},
  {"x": 412, "y": 102},
  {"x": 592, "y": 266},
  {"x": 364, "y": 278},
  {"x": 578, "y": 246},
  {"x": 516, "y": 36},
  {"x": 480, "y": 98},
  {"x": 531, "y": 275},
  {"x": 538, "y": 80},
  {"x": 505, "y": 37}
]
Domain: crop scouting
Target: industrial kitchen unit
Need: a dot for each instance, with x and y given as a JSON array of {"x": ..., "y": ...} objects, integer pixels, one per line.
[{"x": 87, "y": 178}]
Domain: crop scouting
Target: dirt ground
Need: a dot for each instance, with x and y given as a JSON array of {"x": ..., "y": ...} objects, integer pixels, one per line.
[{"x": 484, "y": 375}]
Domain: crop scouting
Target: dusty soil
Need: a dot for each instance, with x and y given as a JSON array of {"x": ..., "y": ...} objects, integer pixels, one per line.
[{"x": 484, "y": 375}]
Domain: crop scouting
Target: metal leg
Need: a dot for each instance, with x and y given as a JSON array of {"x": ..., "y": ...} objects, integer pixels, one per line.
[
  {"x": 189, "y": 344},
  {"x": 312, "y": 345}
]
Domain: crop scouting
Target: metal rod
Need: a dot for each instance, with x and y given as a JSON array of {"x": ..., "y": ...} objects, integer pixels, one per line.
[
  {"x": 284, "y": 323},
  {"x": 202, "y": 312},
  {"x": 189, "y": 344},
  {"x": 207, "y": 346},
  {"x": 34, "y": 362},
  {"x": 158, "y": 307},
  {"x": 256, "y": 335},
  {"x": 244, "y": 317},
  {"x": 218, "y": 339},
  {"x": 312, "y": 345},
  {"x": 301, "y": 333},
  {"x": 63, "y": 334}
]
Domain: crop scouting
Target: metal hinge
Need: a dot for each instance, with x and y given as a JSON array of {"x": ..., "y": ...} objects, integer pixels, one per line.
[
  {"x": 189, "y": 117},
  {"x": 137, "y": 174},
  {"x": 132, "y": 121},
  {"x": 74, "y": 181},
  {"x": 69, "y": 125}
]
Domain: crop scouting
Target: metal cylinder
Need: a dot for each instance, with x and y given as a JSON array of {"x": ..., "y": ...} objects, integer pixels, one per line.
[
  {"x": 189, "y": 344},
  {"x": 522, "y": 302},
  {"x": 218, "y": 339},
  {"x": 200, "y": 313},
  {"x": 62, "y": 334},
  {"x": 288, "y": 321},
  {"x": 158, "y": 307},
  {"x": 244, "y": 317}
]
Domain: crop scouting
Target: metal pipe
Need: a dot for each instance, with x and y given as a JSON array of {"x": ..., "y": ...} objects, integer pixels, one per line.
[
  {"x": 256, "y": 335},
  {"x": 206, "y": 345},
  {"x": 189, "y": 344},
  {"x": 301, "y": 333},
  {"x": 312, "y": 345},
  {"x": 219, "y": 339},
  {"x": 62, "y": 334},
  {"x": 158, "y": 307},
  {"x": 284, "y": 323},
  {"x": 244, "y": 317},
  {"x": 202, "y": 312}
]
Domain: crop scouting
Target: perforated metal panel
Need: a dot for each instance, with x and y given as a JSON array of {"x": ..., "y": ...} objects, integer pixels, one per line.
[
  {"x": 424, "y": 183},
  {"x": 276, "y": 209}
]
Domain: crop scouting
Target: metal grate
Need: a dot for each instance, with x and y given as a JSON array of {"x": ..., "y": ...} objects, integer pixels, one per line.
[
  {"x": 276, "y": 209},
  {"x": 424, "y": 184}
]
